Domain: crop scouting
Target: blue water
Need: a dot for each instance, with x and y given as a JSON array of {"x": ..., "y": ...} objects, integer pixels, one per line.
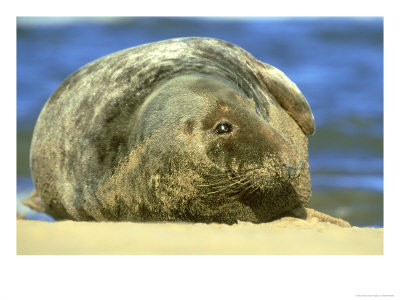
[{"x": 336, "y": 62}]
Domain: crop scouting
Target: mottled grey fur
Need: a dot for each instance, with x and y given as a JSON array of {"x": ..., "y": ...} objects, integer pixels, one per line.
[{"x": 103, "y": 149}]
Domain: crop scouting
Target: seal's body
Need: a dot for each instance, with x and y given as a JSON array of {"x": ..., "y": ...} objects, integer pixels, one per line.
[{"x": 189, "y": 129}]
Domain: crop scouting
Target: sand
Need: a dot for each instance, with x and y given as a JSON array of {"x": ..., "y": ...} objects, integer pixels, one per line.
[{"x": 284, "y": 236}]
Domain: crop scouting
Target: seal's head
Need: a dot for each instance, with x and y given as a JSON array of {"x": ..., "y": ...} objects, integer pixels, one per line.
[{"x": 203, "y": 152}]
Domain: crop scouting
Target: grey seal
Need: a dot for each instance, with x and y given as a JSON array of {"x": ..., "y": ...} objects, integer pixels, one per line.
[{"x": 187, "y": 129}]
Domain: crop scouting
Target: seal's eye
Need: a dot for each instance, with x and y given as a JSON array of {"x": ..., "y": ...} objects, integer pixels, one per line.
[{"x": 224, "y": 128}]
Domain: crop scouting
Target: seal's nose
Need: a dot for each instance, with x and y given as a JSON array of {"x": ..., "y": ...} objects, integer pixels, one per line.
[{"x": 291, "y": 170}]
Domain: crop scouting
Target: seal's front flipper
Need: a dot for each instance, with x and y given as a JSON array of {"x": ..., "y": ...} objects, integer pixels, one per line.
[
  {"x": 309, "y": 214},
  {"x": 35, "y": 202}
]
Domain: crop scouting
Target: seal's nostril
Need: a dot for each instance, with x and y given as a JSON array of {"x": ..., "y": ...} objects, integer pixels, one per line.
[{"x": 292, "y": 171}]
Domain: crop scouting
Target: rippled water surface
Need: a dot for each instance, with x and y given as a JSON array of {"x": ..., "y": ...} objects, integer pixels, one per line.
[{"x": 336, "y": 62}]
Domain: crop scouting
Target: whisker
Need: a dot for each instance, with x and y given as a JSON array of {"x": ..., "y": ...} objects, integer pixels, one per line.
[
  {"x": 217, "y": 183},
  {"x": 217, "y": 175},
  {"x": 225, "y": 187},
  {"x": 238, "y": 183},
  {"x": 250, "y": 186},
  {"x": 233, "y": 177}
]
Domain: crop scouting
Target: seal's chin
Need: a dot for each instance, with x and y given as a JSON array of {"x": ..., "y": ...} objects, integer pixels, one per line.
[{"x": 270, "y": 201}]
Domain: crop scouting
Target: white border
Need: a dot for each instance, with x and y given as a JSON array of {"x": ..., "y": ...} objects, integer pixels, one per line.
[{"x": 261, "y": 277}]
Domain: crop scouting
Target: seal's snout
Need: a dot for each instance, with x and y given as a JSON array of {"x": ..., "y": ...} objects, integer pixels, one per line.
[{"x": 290, "y": 160}]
